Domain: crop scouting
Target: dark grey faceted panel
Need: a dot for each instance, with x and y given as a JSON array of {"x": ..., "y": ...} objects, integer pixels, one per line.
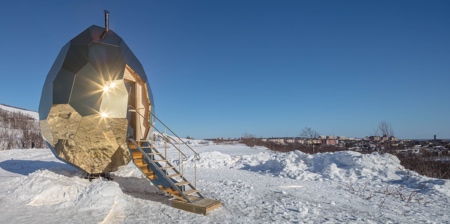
[
  {"x": 95, "y": 32},
  {"x": 132, "y": 61},
  {"x": 107, "y": 60},
  {"x": 77, "y": 57},
  {"x": 110, "y": 37},
  {"x": 62, "y": 87},
  {"x": 86, "y": 92},
  {"x": 46, "y": 100},
  {"x": 134, "y": 64},
  {"x": 84, "y": 38},
  {"x": 47, "y": 91},
  {"x": 150, "y": 96}
]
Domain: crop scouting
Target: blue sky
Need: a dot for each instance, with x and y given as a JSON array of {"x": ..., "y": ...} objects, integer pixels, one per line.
[{"x": 268, "y": 68}]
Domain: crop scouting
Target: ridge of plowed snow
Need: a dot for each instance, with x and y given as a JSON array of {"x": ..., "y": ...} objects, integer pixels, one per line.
[{"x": 344, "y": 166}]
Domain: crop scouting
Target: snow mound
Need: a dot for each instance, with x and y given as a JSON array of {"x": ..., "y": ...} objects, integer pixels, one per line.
[
  {"x": 45, "y": 187},
  {"x": 345, "y": 165},
  {"x": 213, "y": 160},
  {"x": 100, "y": 194},
  {"x": 160, "y": 140},
  {"x": 352, "y": 166}
]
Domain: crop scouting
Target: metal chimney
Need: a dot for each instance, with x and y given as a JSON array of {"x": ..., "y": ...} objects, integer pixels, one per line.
[
  {"x": 106, "y": 21},
  {"x": 106, "y": 24}
]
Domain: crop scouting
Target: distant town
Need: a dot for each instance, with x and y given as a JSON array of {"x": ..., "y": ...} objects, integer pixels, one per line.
[{"x": 369, "y": 143}]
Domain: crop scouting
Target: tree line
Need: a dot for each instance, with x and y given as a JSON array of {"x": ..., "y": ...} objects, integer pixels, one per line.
[{"x": 19, "y": 130}]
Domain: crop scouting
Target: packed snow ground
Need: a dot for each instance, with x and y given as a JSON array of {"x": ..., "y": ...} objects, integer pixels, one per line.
[{"x": 255, "y": 185}]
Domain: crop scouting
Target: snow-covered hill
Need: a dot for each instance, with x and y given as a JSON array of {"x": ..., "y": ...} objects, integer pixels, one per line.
[
  {"x": 19, "y": 128},
  {"x": 254, "y": 184},
  {"x": 30, "y": 113}
]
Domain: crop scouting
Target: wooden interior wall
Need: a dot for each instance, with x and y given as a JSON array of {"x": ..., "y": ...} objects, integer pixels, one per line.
[{"x": 142, "y": 104}]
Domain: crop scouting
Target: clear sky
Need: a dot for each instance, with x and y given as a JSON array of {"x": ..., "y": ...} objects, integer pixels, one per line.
[{"x": 267, "y": 68}]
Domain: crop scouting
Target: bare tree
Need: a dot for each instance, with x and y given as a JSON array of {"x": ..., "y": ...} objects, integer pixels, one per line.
[
  {"x": 248, "y": 136},
  {"x": 385, "y": 129},
  {"x": 309, "y": 133}
]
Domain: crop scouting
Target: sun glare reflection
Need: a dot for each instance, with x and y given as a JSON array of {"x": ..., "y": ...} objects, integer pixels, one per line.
[{"x": 109, "y": 85}]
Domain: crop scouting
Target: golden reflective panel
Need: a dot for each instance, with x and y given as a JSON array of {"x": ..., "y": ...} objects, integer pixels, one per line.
[
  {"x": 96, "y": 143},
  {"x": 63, "y": 122},
  {"x": 45, "y": 130},
  {"x": 84, "y": 114},
  {"x": 93, "y": 143},
  {"x": 115, "y": 100}
]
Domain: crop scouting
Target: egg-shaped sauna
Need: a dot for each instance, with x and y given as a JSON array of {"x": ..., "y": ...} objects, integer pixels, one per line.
[
  {"x": 94, "y": 97},
  {"x": 96, "y": 113}
]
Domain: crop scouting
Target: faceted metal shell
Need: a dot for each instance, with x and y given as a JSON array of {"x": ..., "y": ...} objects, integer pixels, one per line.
[{"x": 84, "y": 109}]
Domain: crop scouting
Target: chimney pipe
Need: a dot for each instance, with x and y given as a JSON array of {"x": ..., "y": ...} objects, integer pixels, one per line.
[
  {"x": 106, "y": 21},
  {"x": 106, "y": 24}
]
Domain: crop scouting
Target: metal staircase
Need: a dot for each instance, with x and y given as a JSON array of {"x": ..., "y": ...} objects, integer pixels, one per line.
[{"x": 170, "y": 178}]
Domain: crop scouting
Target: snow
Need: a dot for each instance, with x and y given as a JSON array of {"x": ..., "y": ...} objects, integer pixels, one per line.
[
  {"x": 254, "y": 184},
  {"x": 30, "y": 113}
]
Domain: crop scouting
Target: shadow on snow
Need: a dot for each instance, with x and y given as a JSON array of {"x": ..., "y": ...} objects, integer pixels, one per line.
[{"x": 25, "y": 167}]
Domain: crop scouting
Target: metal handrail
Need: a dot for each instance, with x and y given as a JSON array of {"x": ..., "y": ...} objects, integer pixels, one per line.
[
  {"x": 167, "y": 139},
  {"x": 175, "y": 134}
]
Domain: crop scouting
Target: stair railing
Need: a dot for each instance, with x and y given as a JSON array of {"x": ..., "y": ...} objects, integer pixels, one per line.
[
  {"x": 169, "y": 139},
  {"x": 138, "y": 147}
]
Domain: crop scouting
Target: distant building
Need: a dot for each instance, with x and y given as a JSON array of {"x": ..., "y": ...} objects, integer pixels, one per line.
[
  {"x": 393, "y": 139},
  {"x": 290, "y": 140},
  {"x": 300, "y": 141},
  {"x": 277, "y": 140},
  {"x": 330, "y": 140}
]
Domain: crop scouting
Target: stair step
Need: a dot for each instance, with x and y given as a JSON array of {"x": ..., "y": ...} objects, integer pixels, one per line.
[
  {"x": 137, "y": 155},
  {"x": 148, "y": 171},
  {"x": 154, "y": 153},
  {"x": 167, "y": 167},
  {"x": 140, "y": 162},
  {"x": 190, "y": 192},
  {"x": 182, "y": 183},
  {"x": 143, "y": 140},
  {"x": 170, "y": 191},
  {"x": 133, "y": 147},
  {"x": 174, "y": 175},
  {"x": 161, "y": 160},
  {"x": 142, "y": 165}
]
